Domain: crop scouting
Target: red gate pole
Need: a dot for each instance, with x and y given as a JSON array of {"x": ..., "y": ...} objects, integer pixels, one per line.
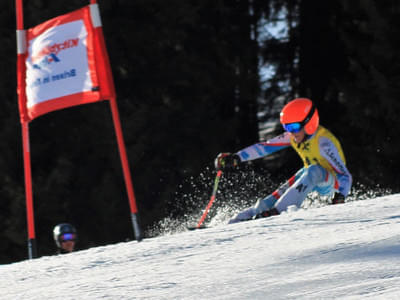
[
  {"x": 125, "y": 168},
  {"x": 118, "y": 132},
  {"x": 32, "y": 251},
  {"x": 21, "y": 68}
]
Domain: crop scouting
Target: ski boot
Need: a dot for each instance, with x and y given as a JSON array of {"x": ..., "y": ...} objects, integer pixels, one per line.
[
  {"x": 267, "y": 213},
  {"x": 338, "y": 198}
]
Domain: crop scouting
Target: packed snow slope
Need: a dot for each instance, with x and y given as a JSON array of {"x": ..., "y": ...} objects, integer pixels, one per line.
[{"x": 348, "y": 251}]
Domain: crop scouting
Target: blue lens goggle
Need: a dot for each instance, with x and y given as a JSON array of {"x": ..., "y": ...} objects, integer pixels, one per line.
[
  {"x": 293, "y": 127},
  {"x": 68, "y": 237}
]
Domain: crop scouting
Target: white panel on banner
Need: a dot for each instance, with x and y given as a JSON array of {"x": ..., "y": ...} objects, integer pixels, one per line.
[
  {"x": 95, "y": 14},
  {"x": 21, "y": 41},
  {"x": 57, "y": 63}
]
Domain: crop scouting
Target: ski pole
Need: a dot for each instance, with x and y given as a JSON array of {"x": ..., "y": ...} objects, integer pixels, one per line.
[{"x": 210, "y": 203}]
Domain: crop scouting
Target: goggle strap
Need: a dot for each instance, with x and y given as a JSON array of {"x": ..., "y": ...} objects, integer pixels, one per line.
[{"x": 309, "y": 115}]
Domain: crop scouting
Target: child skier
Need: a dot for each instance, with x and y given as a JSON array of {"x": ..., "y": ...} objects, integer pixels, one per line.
[{"x": 324, "y": 168}]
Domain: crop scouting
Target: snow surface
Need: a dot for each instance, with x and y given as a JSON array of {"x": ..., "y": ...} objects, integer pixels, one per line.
[{"x": 348, "y": 251}]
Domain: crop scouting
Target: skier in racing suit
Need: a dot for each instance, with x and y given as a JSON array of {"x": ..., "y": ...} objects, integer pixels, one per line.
[{"x": 324, "y": 168}]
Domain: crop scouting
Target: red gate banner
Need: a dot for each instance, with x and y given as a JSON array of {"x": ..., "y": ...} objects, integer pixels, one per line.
[{"x": 66, "y": 65}]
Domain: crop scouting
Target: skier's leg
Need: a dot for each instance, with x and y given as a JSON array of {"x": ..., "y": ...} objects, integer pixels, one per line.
[
  {"x": 312, "y": 177},
  {"x": 265, "y": 204},
  {"x": 329, "y": 186},
  {"x": 244, "y": 215},
  {"x": 270, "y": 201}
]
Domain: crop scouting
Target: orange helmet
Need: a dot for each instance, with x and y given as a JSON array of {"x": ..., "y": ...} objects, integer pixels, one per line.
[{"x": 300, "y": 113}]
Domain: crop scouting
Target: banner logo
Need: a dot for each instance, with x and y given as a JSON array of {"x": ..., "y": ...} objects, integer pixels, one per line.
[
  {"x": 49, "y": 54},
  {"x": 56, "y": 48},
  {"x": 47, "y": 60}
]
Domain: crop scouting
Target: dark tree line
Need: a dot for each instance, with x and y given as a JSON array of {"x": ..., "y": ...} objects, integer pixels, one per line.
[{"x": 187, "y": 75}]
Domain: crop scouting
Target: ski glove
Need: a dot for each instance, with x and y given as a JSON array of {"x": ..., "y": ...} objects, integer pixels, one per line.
[
  {"x": 338, "y": 198},
  {"x": 226, "y": 161}
]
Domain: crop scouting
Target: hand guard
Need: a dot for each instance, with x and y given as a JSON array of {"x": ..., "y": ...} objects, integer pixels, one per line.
[
  {"x": 338, "y": 198},
  {"x": 226, "y": 161}
]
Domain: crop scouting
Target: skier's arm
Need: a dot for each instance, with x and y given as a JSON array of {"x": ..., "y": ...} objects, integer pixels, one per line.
[
  {"x": 265, "y": 148},
  {"x": 329, "y": 151}
]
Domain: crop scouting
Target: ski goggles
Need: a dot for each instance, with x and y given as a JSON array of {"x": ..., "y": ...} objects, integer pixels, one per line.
[
  {"x": 293, "y": 127},
  {"x": 67, "y": 237}
]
